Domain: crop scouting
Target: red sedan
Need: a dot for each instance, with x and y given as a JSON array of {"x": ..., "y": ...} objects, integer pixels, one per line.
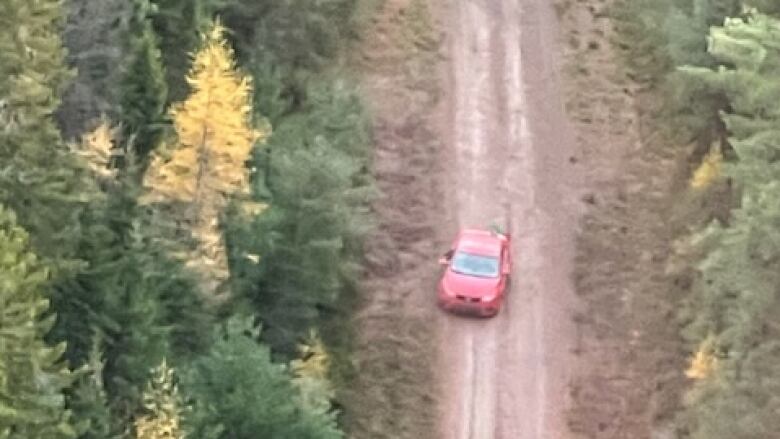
[{"x": 477, "y": 272}]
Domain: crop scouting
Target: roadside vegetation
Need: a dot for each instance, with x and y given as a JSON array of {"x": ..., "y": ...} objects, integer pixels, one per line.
[
  {"x": 715, "y": 63},
  {"x": 182, "y": 207}
]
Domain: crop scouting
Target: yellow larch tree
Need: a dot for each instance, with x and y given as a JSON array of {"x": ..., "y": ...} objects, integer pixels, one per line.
[
  {"x": 207, "y": 165},
  {"x": 709, "y": 169},
  {"x": 704, "y": 361},
  {"x": 99, "y": 149},
  {"x": 310, "y": 374},
  {"x": 314, "y": 361},
  {"x": 161, "y": 403}
]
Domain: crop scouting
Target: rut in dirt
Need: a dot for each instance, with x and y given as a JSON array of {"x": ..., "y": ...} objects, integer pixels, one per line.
[{"x": 508, "y": 144}]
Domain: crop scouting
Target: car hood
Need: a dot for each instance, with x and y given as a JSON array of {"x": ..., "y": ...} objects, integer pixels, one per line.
[{"x": 469, "y": 286}]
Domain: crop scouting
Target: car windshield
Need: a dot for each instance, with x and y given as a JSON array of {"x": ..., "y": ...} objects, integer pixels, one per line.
[{"x": 475, "y": 265}]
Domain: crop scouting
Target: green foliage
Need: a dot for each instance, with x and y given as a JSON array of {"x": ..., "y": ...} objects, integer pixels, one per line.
[
  {"x": 681, "y": 37},
  {"x": 94, "y": 35},
  {"x": 39, "y": 180},
  {"x": 116, "y": 278},
  {"x": 144, "y": 91},
  {"x": 146, "y": 305},
  {"x": 297, "y": 33},
  {"x": 662, "y": 35},
  {"x": 286, "y": 43},
  {"x": 32, "y": 374},
  {"x": 143, "y": 303},
  {"x": 239, "y": 393},
  {"x": 179, "y": 24},
  {"x": 315, "y": 166},
  {"x": 89, "y": 401},
  {"x": 737, "y": 299}
]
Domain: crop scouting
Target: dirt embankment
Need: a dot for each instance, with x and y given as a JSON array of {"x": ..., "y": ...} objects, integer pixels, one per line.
[{"x": 630, "y": 362}]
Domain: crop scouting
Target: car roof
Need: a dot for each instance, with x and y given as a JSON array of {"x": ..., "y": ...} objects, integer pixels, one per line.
[{"x": 482, "y": 242}]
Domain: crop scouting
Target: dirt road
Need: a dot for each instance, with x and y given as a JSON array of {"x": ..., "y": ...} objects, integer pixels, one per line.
[{"x": 508, "y": 146}]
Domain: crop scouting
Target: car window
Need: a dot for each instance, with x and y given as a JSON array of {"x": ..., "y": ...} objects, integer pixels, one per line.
[{"x": 475, "y": 265}]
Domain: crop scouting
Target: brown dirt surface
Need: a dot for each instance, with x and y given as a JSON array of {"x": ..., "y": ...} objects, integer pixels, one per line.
[
  {"x": 393, "y": 395},
  {"x": 509, "y": 144},
  {"x": 523, "y": 111},
  {"x": 629, "y": 373}
]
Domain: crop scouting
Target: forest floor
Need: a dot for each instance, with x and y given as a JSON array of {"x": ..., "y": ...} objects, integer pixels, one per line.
[
  {"x": 394, "y": 393},
  {"x": 479, "y": 105}
]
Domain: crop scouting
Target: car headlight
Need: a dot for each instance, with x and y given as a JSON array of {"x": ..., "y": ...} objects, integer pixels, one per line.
[{"x": 488, "y": 298}]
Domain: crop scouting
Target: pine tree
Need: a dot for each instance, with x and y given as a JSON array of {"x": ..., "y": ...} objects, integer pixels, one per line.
[
  {"x": 286, "y": 44},
  {"x": 240, "y": 393},
  {"x": 89, "y": 400},
  {"x": 309, "y": 237},
  {"x": 144, "y": 90},
  {"x": 137, "y": 337},
  {"x": 179, "y": 23},
  {"x": 32, "y": 375},
  {"x": 94, "y": 35},
  {"x": 162, "y": 404},
  {"x": 736, "y": 301},
  {"x": 296, "y": 34},
  {"x": 143, "y": 304},
  {"x": 215, "y": 138},
  {"x": 39, "y": 180}
]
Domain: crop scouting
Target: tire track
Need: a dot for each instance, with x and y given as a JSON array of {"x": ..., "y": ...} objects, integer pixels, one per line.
[{"x": 505, "y": 378}]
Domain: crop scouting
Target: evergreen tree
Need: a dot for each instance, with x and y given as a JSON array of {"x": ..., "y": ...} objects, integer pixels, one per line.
[
  {"x": 737, "y": 300},
  {"x": 94, "y": 35},
  {"x": 147, "y": 307},
  {"x": 286, "y": 44},
  {"x": 143, "y": 303},
  {"x": 163, "y": 417},
  {"x": 89, "y": 401},
  {"x": 309, "y": 238},
  {"x": 179, "y": 23},
  {"x": 665, "y": 34},
  {"x": 32, "y": 374},
  {"x": 144, "y": 91},
  {"x": 240, "y": 393},
  {"x": 299, "y": 34},
  {"x": 39, "y": 179}
]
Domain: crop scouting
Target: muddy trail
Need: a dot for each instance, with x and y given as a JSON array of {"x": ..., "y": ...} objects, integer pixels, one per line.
[
  {"x": 509, "y": 150},
  {"x": 471, "y": 127}
]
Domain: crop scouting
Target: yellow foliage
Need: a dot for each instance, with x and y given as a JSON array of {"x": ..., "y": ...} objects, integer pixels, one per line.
[
  {"x": 98, "y": 149},
  {"x": 708, "y": 170},
  {"x": 311, "y": 375},
  {"x": 314, "y": 362},
  {"x": 161, "y": 401},
  {"x": 704, "y": 362},
  {"x": 253, "y": 257},
  {"x": 215, "y": 134},
  {"x": 252, "y": 208},
  {"x": 208, "y": 162}
]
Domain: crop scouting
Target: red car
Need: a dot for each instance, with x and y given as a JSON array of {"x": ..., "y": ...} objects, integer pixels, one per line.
[{"x": 477, "y": 272}]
